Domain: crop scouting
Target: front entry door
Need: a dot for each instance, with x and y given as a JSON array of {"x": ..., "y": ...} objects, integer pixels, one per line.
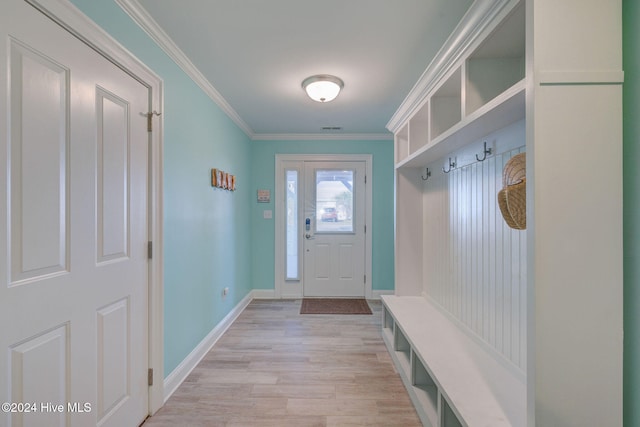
[
  {"x": 73, "y": 230},
  {"x": 334, "y": 229}
]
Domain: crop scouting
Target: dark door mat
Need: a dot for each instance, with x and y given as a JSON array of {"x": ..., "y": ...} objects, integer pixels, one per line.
[{"x": 334, "y": 306}]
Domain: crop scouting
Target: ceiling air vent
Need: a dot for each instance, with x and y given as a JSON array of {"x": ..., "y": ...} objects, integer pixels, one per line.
[{"x": 331, "y": 128}]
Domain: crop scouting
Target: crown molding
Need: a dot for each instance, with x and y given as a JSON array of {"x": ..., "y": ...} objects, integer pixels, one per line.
[
  {"x": 482, "y": 17},
  {"x": 73, "y": 20},
  {"x": 322, "y": 137},
  {"x": 141, "y": 17}
]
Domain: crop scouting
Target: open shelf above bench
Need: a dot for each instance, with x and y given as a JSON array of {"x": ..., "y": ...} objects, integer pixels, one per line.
[
  {"x": 482, "y": 93},
  {"x": 507, "y": 108}
]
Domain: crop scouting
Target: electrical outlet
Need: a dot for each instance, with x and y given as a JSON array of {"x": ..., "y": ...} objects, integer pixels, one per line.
[{"x": 225, "y": 291}]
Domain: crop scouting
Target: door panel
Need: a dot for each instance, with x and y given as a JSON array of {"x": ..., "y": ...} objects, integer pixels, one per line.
[
  {"x": 113, "y": 356},
  {"x": 321, "y": 262},
  {"x": 346, "y": 255},
  {"x": 73, "y": 228},
  {"x": 334, "y": 246},
  {"x": 29, "y": 383},
  {"x": 39, "y": 172},
  {"x": 113, "y": 176}
]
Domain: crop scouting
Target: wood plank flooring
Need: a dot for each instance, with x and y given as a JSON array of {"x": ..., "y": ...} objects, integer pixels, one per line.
[{"x": 276, "y": 367}]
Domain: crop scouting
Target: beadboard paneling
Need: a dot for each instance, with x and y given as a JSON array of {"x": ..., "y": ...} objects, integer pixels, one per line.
[{"x": 474, "y": 264}]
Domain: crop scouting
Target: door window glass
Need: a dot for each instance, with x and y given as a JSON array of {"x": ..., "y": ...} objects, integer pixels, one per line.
[
  {"x": 292, "y": 258},
  {"x": 334, "y": 201}
]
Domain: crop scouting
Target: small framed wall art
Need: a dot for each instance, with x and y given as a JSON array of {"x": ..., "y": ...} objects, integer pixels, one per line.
[{"x": 223, "y": 180}]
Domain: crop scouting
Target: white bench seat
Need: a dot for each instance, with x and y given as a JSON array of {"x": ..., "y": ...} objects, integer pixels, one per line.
[{"x": 451, "y": 378}]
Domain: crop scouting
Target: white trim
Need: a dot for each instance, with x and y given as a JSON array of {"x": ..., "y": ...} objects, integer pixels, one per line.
[
  {"x": 156, "y": 269},
  {"x": 180, "y": 373},
  {"x": 376, "y": 294},
  {"x": 157, "y": 34},
  {"x": 605, "y": 77},
  {"x": 282, "y": 288},
  {"x": 481, "y": 17},
  {"x": 291, "y": 286},
  {"x": 263, "y": 294},
  {"x": 322, "y": 137},
  {"x": 77, "y": 23}
]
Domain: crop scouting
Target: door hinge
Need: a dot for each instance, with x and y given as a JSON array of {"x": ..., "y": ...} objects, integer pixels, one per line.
[
  {"x": 150, "y": 377},
  {"x": 365, "y": 179},
  {"x": 149, "y": 250},
  {"x": 365, "y": 279},
  {"x": 150, "y": 119},
  {"x": 365, "y": 229}
]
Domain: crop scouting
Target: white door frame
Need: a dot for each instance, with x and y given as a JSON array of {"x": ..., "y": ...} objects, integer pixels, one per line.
[
  {"x": 73, "y": 20},
  {"x": 293, "y": 289}
]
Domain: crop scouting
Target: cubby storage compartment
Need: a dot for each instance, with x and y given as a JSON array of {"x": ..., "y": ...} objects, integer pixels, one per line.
[
  {"x": 402, "y": 144},
  {"x": 387, "y": 325},
  {"x": 497, "y": 64},
  {"x": 449, "y": 418},
  {"x": 419, "y": 129},
  {"x": 387, "y": 320},
  {"x": 425, "y": 388},
  {"x": 446, "y": 105},
  {"x": 402, "y": 348}
]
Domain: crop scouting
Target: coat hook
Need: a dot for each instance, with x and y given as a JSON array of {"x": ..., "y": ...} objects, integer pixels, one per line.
[
  {"x": 428, "y": 173},
  {"x": 452, "y": 165},
  {"x": 485, "y": 152},
  {"x": 151, "y": 114},
  {"x": 150, "y": 119}
]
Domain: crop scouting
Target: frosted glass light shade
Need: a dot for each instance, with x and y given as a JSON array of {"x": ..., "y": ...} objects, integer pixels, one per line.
[{"x": 322, "y": 88}]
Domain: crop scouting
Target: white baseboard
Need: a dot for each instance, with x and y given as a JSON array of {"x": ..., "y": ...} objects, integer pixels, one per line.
[
  {"x": 264, "y": 294},
  {"x": 270, "y": 294},
  {"x": 376, "y": 294},
  {"x": 180, "y": 373}
]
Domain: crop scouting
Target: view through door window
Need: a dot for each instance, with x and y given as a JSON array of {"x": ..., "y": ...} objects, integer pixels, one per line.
[{"x": 334, "y": 201}]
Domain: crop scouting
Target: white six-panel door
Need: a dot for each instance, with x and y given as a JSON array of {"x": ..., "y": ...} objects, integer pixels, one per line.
[{"x": 73, "y": 230}]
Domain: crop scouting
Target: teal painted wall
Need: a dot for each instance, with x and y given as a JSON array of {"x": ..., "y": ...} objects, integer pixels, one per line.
[
  {"x": 631, "y": 120},
  {"x": 206, "y": 235},
  {"x": 263, "y": 230}
]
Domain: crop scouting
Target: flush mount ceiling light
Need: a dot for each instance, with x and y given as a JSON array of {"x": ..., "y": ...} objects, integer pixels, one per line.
[{"x": 323, "y": 87}]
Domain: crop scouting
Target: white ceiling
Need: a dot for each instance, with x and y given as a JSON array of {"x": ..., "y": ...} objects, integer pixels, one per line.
[{"x": 255, "y": 53}]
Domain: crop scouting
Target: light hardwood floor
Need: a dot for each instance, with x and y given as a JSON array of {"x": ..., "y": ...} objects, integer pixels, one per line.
[{"x": 276, "y": 367}]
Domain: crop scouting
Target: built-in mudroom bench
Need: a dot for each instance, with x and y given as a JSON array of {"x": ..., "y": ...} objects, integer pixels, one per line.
[
  {"x": 451, "y": 377},
  {"x": 508, "y": 292}
]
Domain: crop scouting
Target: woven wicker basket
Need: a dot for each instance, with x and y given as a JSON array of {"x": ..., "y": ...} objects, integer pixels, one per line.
[
  {"x": 515, "y": 170},
  {"x": 512, "y": 199},
  {"x": 513, "y": 205}
]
